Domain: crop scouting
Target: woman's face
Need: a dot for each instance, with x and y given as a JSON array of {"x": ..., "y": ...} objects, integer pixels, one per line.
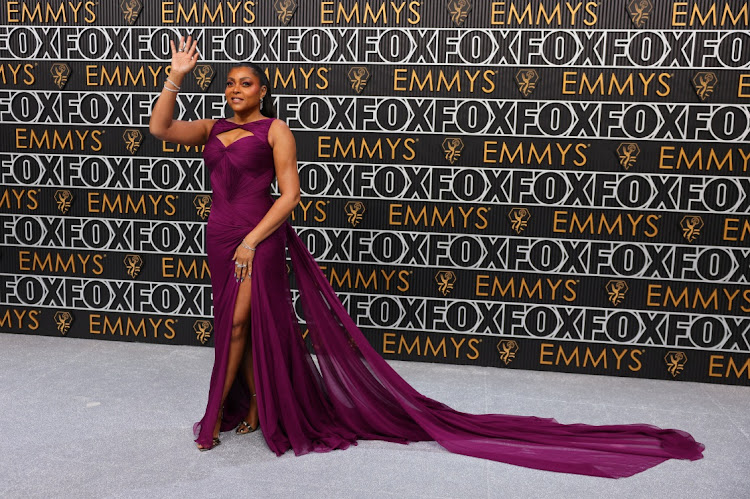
[{"x": 243, "y": 91}]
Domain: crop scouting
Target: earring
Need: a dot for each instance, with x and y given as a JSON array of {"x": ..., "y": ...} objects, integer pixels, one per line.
[{"x": 261, "y": 104}]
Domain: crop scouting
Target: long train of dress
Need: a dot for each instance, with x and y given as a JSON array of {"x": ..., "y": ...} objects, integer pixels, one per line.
[{"x": 353, "y": 393}]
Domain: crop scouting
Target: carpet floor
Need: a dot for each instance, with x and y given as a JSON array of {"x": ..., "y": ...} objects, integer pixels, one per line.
[{"x": 85, "y": 418}]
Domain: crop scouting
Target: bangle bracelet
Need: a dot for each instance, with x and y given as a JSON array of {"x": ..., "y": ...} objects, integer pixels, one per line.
[
  {"x": 244, "y": 245},
  {"x": 175, "y": 84},
  {"x": 170, "y": 90}
]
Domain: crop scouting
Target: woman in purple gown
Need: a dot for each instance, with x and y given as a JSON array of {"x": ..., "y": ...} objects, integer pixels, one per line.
[{"x": 263, "y": 375}]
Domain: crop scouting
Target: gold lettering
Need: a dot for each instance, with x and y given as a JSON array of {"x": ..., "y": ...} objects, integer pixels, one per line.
[
  {"x": 589, "y": 358},
  {"x": 743, "y": 89},
  {"x": 388, "y": 341},
  {"x": 714, "y": 362},
  {"x": 732, "y": 228}
]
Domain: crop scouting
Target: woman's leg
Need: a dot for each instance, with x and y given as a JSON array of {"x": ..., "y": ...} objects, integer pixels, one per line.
[
  {"x": 240, "y": 330},
  {"x": 252, "y": 415}
]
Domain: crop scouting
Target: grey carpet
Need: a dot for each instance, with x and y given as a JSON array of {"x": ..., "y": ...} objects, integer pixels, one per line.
[{"x": 86, "y": 418}]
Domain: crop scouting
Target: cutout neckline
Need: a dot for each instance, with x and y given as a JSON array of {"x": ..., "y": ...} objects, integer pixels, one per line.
[
  {"x": 237, "y": 125},
  {"x": 226, "y": 146}
]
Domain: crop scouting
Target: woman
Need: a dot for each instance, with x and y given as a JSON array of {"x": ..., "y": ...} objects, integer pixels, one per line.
[{"x": 353, "y": 394}]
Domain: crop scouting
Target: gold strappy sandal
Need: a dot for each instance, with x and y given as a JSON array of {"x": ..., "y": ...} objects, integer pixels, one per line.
[{"x": 244, "y": 427}]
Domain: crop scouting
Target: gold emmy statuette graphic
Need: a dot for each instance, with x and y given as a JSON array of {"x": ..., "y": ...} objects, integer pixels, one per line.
[
  {"x": 459, "y": 10},
  {"x": 452, "y": 147},
  {"x": 63, "y": 198},
  {"x": 354, "y": 211},
  {"x": 285, "y": 10},
  {"x": 202, "y": 203},
  {"x": 133, "y": 139},
  {"x": 63, "y": 321},
  {"x": 60, "y": 74},
  {"x": 526, "y": 79},
  {"x": 130, "y": 10},
  {"x": 616, "y": 290},
  {"x": 705, "y": 84},
  {"x": 203, "y": 330},
  {"x": 359, "y": 75},
  {"x": 691, "y": 227},
  {"x": 133, "y": 264},
  {"x": 204, "y": 74},
  {"x": 507, "y": 350},
  {"x": 445, "y": 280},
  {"x": 639, "y": 11},
  {"x": 675, "y": 362},
  {"x": 627, "y": 153},
  {"x": 519, "y": 219}
]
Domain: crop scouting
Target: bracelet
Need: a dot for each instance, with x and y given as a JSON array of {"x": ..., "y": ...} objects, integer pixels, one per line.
[
  {"x": 170, "y": 90},
  {"x": 244, "y": 245},
  {"x": 175, "y": 84}
]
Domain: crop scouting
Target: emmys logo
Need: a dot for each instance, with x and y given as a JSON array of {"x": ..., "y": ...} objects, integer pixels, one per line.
[
  {"x": 60, "y": 74},
  {"x": 507, "y": 350},
  {"x": 133, "y": 139},
  {"x": 519, "y": 219},
  {"x": 459, "y": 10},
  {"x": 285, "y": 10},
  {"x": 616, "y": 291},
  {"x": 130, "y": 10},
  {"x": 63, "y": 321},
  {"x": 639, "y": 11},
  {"x": 203, "y": 330},
  {"x": 628, "y": 152},
  {"x": 63, "y": 198},
  {"x": 133, "y": 264},
  {"x": 354, "y": 211},
  {"x": 675, "y": 362},
  {"x": 691, "y": 227},
  {"x": 452, "y": 148},
  {"x": 526, "y": 79},
  {"x": 202, "y": 203},
  {"x": 705, "y": 84},
  {"x": 359, "y": 75},
  {"x": 445, "y": 280},
  {"x": 204, "y": 74}
]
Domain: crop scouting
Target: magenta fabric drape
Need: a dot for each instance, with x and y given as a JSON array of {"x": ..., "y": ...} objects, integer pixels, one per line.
[{"x": 352, "y": 393}]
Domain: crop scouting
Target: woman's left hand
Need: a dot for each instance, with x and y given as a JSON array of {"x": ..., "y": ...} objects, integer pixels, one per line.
[{"x": 243, "y": 263}]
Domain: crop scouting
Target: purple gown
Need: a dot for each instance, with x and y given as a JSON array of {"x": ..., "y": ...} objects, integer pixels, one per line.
[{"x": 355, "y": 394}]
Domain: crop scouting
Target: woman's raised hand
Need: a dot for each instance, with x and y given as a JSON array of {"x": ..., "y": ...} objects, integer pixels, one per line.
[{"x": 185, "y": 57}]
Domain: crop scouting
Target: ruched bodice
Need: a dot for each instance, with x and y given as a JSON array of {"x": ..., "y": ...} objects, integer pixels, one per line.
[{"x": 241, "y": 172}]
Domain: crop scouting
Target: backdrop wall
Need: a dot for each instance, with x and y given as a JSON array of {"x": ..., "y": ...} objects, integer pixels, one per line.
[{"x": 539, "y": 185}]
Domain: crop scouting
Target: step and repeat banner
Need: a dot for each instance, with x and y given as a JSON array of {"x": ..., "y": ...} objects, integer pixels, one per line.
[{"x": 533, "y": 184}]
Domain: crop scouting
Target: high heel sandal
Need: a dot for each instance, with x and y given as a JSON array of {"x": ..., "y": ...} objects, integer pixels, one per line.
[
  {"x": 244, "y": 427},
  {"x": 215, "y": 442}
]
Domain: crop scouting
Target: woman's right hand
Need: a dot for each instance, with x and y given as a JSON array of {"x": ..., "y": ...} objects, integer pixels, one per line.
[{"x": 183, "y": 61}]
